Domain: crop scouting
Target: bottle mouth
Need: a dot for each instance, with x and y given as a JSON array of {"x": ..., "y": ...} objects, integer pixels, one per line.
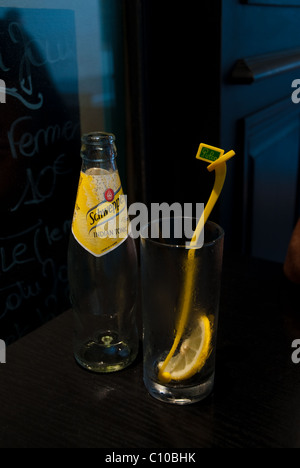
[
  {"x": 98, "y": 146},
  {"x": 96, "y": 138}
]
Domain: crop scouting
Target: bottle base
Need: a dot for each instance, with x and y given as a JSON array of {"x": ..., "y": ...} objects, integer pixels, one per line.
[
  {"x": 105, "y": 354},
  {"x": 180, "y": 395}
]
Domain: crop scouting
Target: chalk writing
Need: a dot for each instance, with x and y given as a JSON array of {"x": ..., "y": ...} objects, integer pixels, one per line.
[
  {"x": 32, "y": 249},
  {"x": 29, "y": 144},
  {"x": 35, "y": 190},
  {"x": 14, "y": 92},
  {"x": 47, "y": 54}
]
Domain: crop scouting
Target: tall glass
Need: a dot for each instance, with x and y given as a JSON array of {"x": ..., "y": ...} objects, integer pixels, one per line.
[{"x": 180, "y": 324}]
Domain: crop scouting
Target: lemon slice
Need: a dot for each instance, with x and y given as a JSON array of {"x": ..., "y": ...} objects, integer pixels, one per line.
[{"x": 192, "y": 356}]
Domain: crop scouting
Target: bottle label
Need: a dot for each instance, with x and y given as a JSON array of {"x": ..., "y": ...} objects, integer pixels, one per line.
[{"x": 100, "y": 220}]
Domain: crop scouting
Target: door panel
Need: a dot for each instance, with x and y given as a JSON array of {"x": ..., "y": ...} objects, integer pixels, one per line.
[
  {"x": 252, "y": 69},
  {"x": 271, "y": 179}
]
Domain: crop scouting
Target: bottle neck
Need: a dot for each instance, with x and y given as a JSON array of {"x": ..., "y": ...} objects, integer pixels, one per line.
[{"x": 98, "y": 150}]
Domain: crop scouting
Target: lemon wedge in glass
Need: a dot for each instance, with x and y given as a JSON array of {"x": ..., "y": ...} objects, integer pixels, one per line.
[{"x": 192, "y": 356}]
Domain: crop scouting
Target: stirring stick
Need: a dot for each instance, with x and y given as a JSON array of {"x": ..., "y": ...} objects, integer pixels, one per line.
[{"x": 219, "y": 166}]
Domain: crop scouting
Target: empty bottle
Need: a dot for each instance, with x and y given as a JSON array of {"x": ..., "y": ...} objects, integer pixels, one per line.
[{"x": 102, "y": 262}]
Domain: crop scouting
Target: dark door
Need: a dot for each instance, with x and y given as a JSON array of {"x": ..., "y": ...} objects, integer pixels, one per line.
[
  {"x": 221, "y": 72},
  {"x": 260, "y": 60}
]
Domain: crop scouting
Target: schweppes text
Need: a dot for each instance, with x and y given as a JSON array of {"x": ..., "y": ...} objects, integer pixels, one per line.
[
  {"x": 101, "y": 213},
  {"x": 100, "y": 220}
]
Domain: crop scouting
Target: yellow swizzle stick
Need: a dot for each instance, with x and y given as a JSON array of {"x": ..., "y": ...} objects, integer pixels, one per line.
[{"x": 217, "y": 160}]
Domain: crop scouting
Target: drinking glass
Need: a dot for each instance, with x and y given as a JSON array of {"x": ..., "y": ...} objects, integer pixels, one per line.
[{"x": 180, "y": 302}]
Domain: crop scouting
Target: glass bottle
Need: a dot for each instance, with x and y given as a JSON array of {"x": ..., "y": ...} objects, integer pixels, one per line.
[{"x": 102, "y": 262}]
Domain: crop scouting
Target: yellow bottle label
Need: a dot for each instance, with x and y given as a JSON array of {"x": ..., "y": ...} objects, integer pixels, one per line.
[{"x": 100, "y": 220}]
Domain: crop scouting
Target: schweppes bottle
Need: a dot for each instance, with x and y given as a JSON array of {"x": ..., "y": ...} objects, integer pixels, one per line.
[{"x": 102, "y": 262}]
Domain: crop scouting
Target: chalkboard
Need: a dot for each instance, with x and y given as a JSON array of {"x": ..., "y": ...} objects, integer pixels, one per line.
[{"x": 39, "y": 164}]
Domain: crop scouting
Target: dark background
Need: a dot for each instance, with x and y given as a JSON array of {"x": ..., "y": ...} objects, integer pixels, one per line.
[{"x": 215, "y": 72}]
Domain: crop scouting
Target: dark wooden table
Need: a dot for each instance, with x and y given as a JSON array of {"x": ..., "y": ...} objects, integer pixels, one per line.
[{"x": 47, "y": 400}]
